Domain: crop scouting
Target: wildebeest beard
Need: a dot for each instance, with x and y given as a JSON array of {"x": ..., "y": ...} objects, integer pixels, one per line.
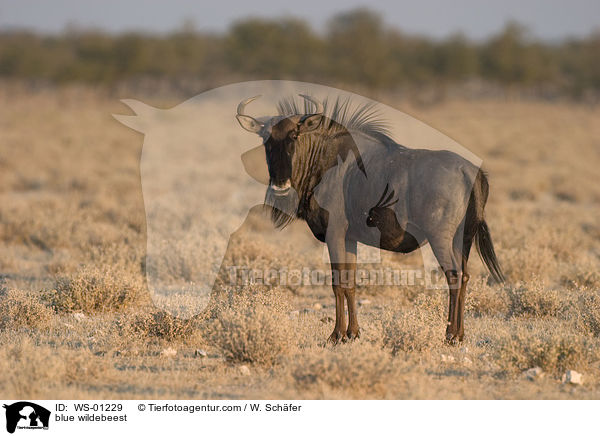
[{"x": 284, "y": 208}]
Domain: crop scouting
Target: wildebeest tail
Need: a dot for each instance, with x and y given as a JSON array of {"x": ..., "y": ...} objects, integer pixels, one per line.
[
  {"x": 480, "y": 230},
  {"x": 485, "y": 247}
]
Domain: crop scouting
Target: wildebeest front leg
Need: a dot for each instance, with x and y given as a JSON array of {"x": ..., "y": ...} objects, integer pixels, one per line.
[
  {"x": 349, "y": 282},
  {"x": 337, "y": 269},
  {"x": 337, "y": 256}
]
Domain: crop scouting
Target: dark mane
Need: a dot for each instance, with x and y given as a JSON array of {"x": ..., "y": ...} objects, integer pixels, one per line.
[{"x": 342, "y": 114}]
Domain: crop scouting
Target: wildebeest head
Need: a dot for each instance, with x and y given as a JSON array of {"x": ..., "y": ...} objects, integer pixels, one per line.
[{"x": 280, "y": 135}]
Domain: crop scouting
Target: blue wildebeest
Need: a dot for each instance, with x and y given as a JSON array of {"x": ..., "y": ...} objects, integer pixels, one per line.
[{"x": 390, "y": 196}]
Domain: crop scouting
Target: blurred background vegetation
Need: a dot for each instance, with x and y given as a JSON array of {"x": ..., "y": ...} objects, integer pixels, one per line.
[{"x": 356, "y": 50}]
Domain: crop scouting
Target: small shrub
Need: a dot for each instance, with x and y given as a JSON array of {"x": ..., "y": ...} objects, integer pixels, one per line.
[
  {"x": 19, "y": 309},
  {"x": 93, "y": 290},
  {"x": 417, "y": 328},
  {"x": 584, "y": 279},
  {"x": 163, "y": 325},
  {"x": 589, "y": 312},
  {"x": 552, "y": 347},
  {"x": 486, "y": 300},
  {"x": 252, "y": 329},
  {"x": 537, "y": 301}
]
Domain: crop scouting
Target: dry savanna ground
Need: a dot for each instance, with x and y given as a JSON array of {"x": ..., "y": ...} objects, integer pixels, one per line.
[{"x": 76, "y": 320}]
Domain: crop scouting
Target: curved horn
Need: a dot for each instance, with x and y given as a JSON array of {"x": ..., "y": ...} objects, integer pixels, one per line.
[
  {"x": 317, "y": 103},
  {"x": 243, "y": 103}
]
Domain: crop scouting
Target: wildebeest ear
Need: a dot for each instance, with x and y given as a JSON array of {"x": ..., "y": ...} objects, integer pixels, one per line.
[
  {"x": 249, "y": 123},
  {"x": 310, "y": 123}
]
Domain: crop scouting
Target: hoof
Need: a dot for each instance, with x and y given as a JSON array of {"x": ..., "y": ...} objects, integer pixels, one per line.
[
  {"x": 454, "y": 335},
  {"x": 453, "y": 339},
  {"x": 335, "y": 338},
  {"x": 352, "y": 336}
]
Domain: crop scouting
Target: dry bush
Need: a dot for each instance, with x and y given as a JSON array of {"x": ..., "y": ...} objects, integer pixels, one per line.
[
  {"x": 359, "y": 368},
  {"x": 535, "y": 300},
  {"x": 583, "y": 279},
  {"x": 483, "y": 299},
  {"x": 162, "y": 325},
  {"x": 98, "y": 289},
  {"x": 252, "y": 328},
  {"x": 417, "y": 328},
  {"x": 19, "y": 309},
  {"x": 589, "y": 312},
  {"x": 555, "y": 347}
]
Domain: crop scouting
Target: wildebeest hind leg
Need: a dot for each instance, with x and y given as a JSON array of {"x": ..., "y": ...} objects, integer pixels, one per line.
[
  {"x": 444, "y": 253},
  {"x": 340, "y": 313},
  {"x": 464, "y": 279}
]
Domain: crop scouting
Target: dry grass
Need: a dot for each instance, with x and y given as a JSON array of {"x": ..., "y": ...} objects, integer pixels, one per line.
[
  {"x": 97, "y": 289},
  {"x": 22, "y": 310},
  {"x": 484, "y": 299},
  {"x": 415, "y": 328},
  {"x": 160, "y": 324},
  {"x": 76, "y": 320},
  {"x": 589, "y": 311},
  {"x": 538, "y": 301},
  {"x": 553, "y": 346},
  {"x": 358, "y": 370},
  {"x": 251, "y": 328}
]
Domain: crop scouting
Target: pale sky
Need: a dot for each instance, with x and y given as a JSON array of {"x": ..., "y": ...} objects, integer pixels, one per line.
[{"x": 547, "y": 19}]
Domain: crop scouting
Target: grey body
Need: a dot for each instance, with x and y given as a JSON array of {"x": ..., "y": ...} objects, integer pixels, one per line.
[{"x": 433, "y": 189}]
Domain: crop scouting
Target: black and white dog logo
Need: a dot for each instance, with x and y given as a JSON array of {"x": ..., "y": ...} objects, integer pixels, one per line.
[{"x": 26, "y": 415}]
